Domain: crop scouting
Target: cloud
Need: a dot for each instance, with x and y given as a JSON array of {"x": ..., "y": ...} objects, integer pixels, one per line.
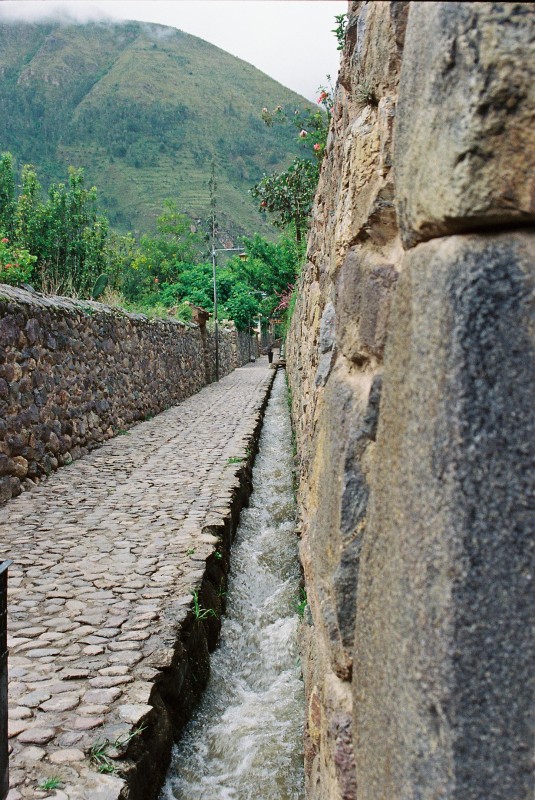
[
  {"x": 40, "y": 11},
  {"x": 291, "y": 41}
]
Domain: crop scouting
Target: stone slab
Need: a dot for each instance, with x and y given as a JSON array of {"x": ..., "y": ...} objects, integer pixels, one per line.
[
  {"x": 443, "y": 680},
  {"x": 464, "y": 138}
]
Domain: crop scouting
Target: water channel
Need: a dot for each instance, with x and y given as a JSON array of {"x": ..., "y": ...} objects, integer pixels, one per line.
[{"x": 245, "y": 740}]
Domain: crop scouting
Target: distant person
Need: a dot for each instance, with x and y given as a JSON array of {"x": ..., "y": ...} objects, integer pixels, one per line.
[{"x": 270, "y": 354}]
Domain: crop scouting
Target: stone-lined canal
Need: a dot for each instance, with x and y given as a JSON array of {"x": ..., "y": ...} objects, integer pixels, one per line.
[{"x": 245, "y": 740}]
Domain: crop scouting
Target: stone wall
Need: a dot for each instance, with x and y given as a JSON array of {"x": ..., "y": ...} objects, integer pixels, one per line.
[
  {"x": 247, "y": 347},
  {"x": 411, "y": 362},
  {"x": 73, "y": 374},
  {"x": 233, "y": 350}
]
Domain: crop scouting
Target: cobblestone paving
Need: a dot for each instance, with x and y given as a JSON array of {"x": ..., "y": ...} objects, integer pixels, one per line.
[{"x": 100, "y": 550}]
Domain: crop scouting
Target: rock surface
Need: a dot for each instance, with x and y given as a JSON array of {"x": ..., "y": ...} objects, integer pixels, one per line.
[
  {"x": 411, "y": 365},
  {"x": 465, "y": 124},
  {"x": 443, "y": 679}
]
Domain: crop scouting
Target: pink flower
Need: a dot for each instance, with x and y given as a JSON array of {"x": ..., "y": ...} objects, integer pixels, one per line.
[
  {"x": 4, "y": 240},
  {"x": 7, "y": 266},
  {"x": 323, "y": 96},
  {"x": 317, "y": 147},
  {"x": 303, "y": 134}
]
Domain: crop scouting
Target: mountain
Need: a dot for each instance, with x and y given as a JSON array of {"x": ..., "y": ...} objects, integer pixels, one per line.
[{"x": 145, "y": 110}]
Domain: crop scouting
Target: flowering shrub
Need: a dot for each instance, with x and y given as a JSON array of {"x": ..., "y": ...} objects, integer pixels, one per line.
[
  {"x": 16, "y": 264},
  {"x": 312, "y": 126},
  {"x": 285, "y": 298}
]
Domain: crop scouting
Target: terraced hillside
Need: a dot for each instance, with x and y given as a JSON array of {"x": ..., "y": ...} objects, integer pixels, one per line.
[{"x": 145, "y": 109}]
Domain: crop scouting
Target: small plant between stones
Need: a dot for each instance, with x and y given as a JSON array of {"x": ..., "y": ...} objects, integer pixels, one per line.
[
  {"x": 198, "y": 611},
  {"x": 49, "y": 784},
  {"x": 235, "y": 460},
  {"x": 302, "y": 602},
  {"x": 365, "y": 94},
  {"x": 103, "y": 751}
]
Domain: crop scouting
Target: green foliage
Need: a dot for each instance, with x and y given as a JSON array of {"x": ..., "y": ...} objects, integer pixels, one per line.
[
  {"x": 301, "y": 602},
  {"x": 365, "y": 94},
  {"x": 28, "y": 210},
  {"x": 288, "y": 195},
  {"x": 158, "y": 258},
  {"x": 99, "y": 758},
  {"x": 246, "y": 288},
  {"x": 7, "y": 194},
  {"x": 312, "y": 125},
  {"x": 49, "y": 784},
  {"x": 120, "y": 252},
  {"x": 241, "y": 306},
  {"x": 16, "y": 264},
  {"x": 340, "y": 30},
  {"x": 199, "y": 612},
  {"x": 71, "y": 243},
  {"x": 104, "y": 751},
  {"x": 143, "y": 110},
  {"x": 193, "y": 284},
  {"x": 100, "y": 287},
  {"x": 64, "y": 234}
]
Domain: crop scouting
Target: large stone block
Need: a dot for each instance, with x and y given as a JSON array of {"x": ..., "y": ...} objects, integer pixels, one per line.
[
  {"x": 364, "y": 289},
  {"x": 339, "y": 495},
  {"x": 374, "y": 42},
  {"x": 444, "y": 650},
  {"x": 464, "y": 139}
]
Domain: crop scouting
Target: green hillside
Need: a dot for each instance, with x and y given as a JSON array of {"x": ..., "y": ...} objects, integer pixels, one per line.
[{"x": 145, "y": 110}]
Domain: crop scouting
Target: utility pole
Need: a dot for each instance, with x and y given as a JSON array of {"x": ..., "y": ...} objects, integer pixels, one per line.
[{"x": 212, "y": 186}]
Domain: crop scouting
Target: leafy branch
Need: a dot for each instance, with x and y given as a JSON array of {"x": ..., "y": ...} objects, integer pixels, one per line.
[{"x": 340, "y": 30}]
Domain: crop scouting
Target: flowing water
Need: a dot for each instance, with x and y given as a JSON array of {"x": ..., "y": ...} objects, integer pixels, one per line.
[{"x": 245, "y": 740}]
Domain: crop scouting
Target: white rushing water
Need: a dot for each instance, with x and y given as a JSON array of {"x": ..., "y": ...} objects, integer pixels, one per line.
[{"x": 245, "y": 739}]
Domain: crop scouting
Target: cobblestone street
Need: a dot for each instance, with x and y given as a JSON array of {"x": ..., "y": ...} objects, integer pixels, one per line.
[{"x": 103, "y": 551}]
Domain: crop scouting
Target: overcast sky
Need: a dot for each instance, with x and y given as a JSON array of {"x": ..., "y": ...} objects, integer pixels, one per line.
[{"x": 290, "y": 40}]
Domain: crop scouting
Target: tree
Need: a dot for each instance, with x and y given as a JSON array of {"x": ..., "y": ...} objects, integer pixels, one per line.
[
  {"x": 70, "y": 242},
  {"x": 16, "y": 264},
  {"x": 160, "y": 259},
  {"x": 28, "y": 211},
  {"x": 289, "y": 195},
  {"x": 7, "y": 195},
  {"x": 177, "y": 229},
  {"x": 242, "y": 306}
]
